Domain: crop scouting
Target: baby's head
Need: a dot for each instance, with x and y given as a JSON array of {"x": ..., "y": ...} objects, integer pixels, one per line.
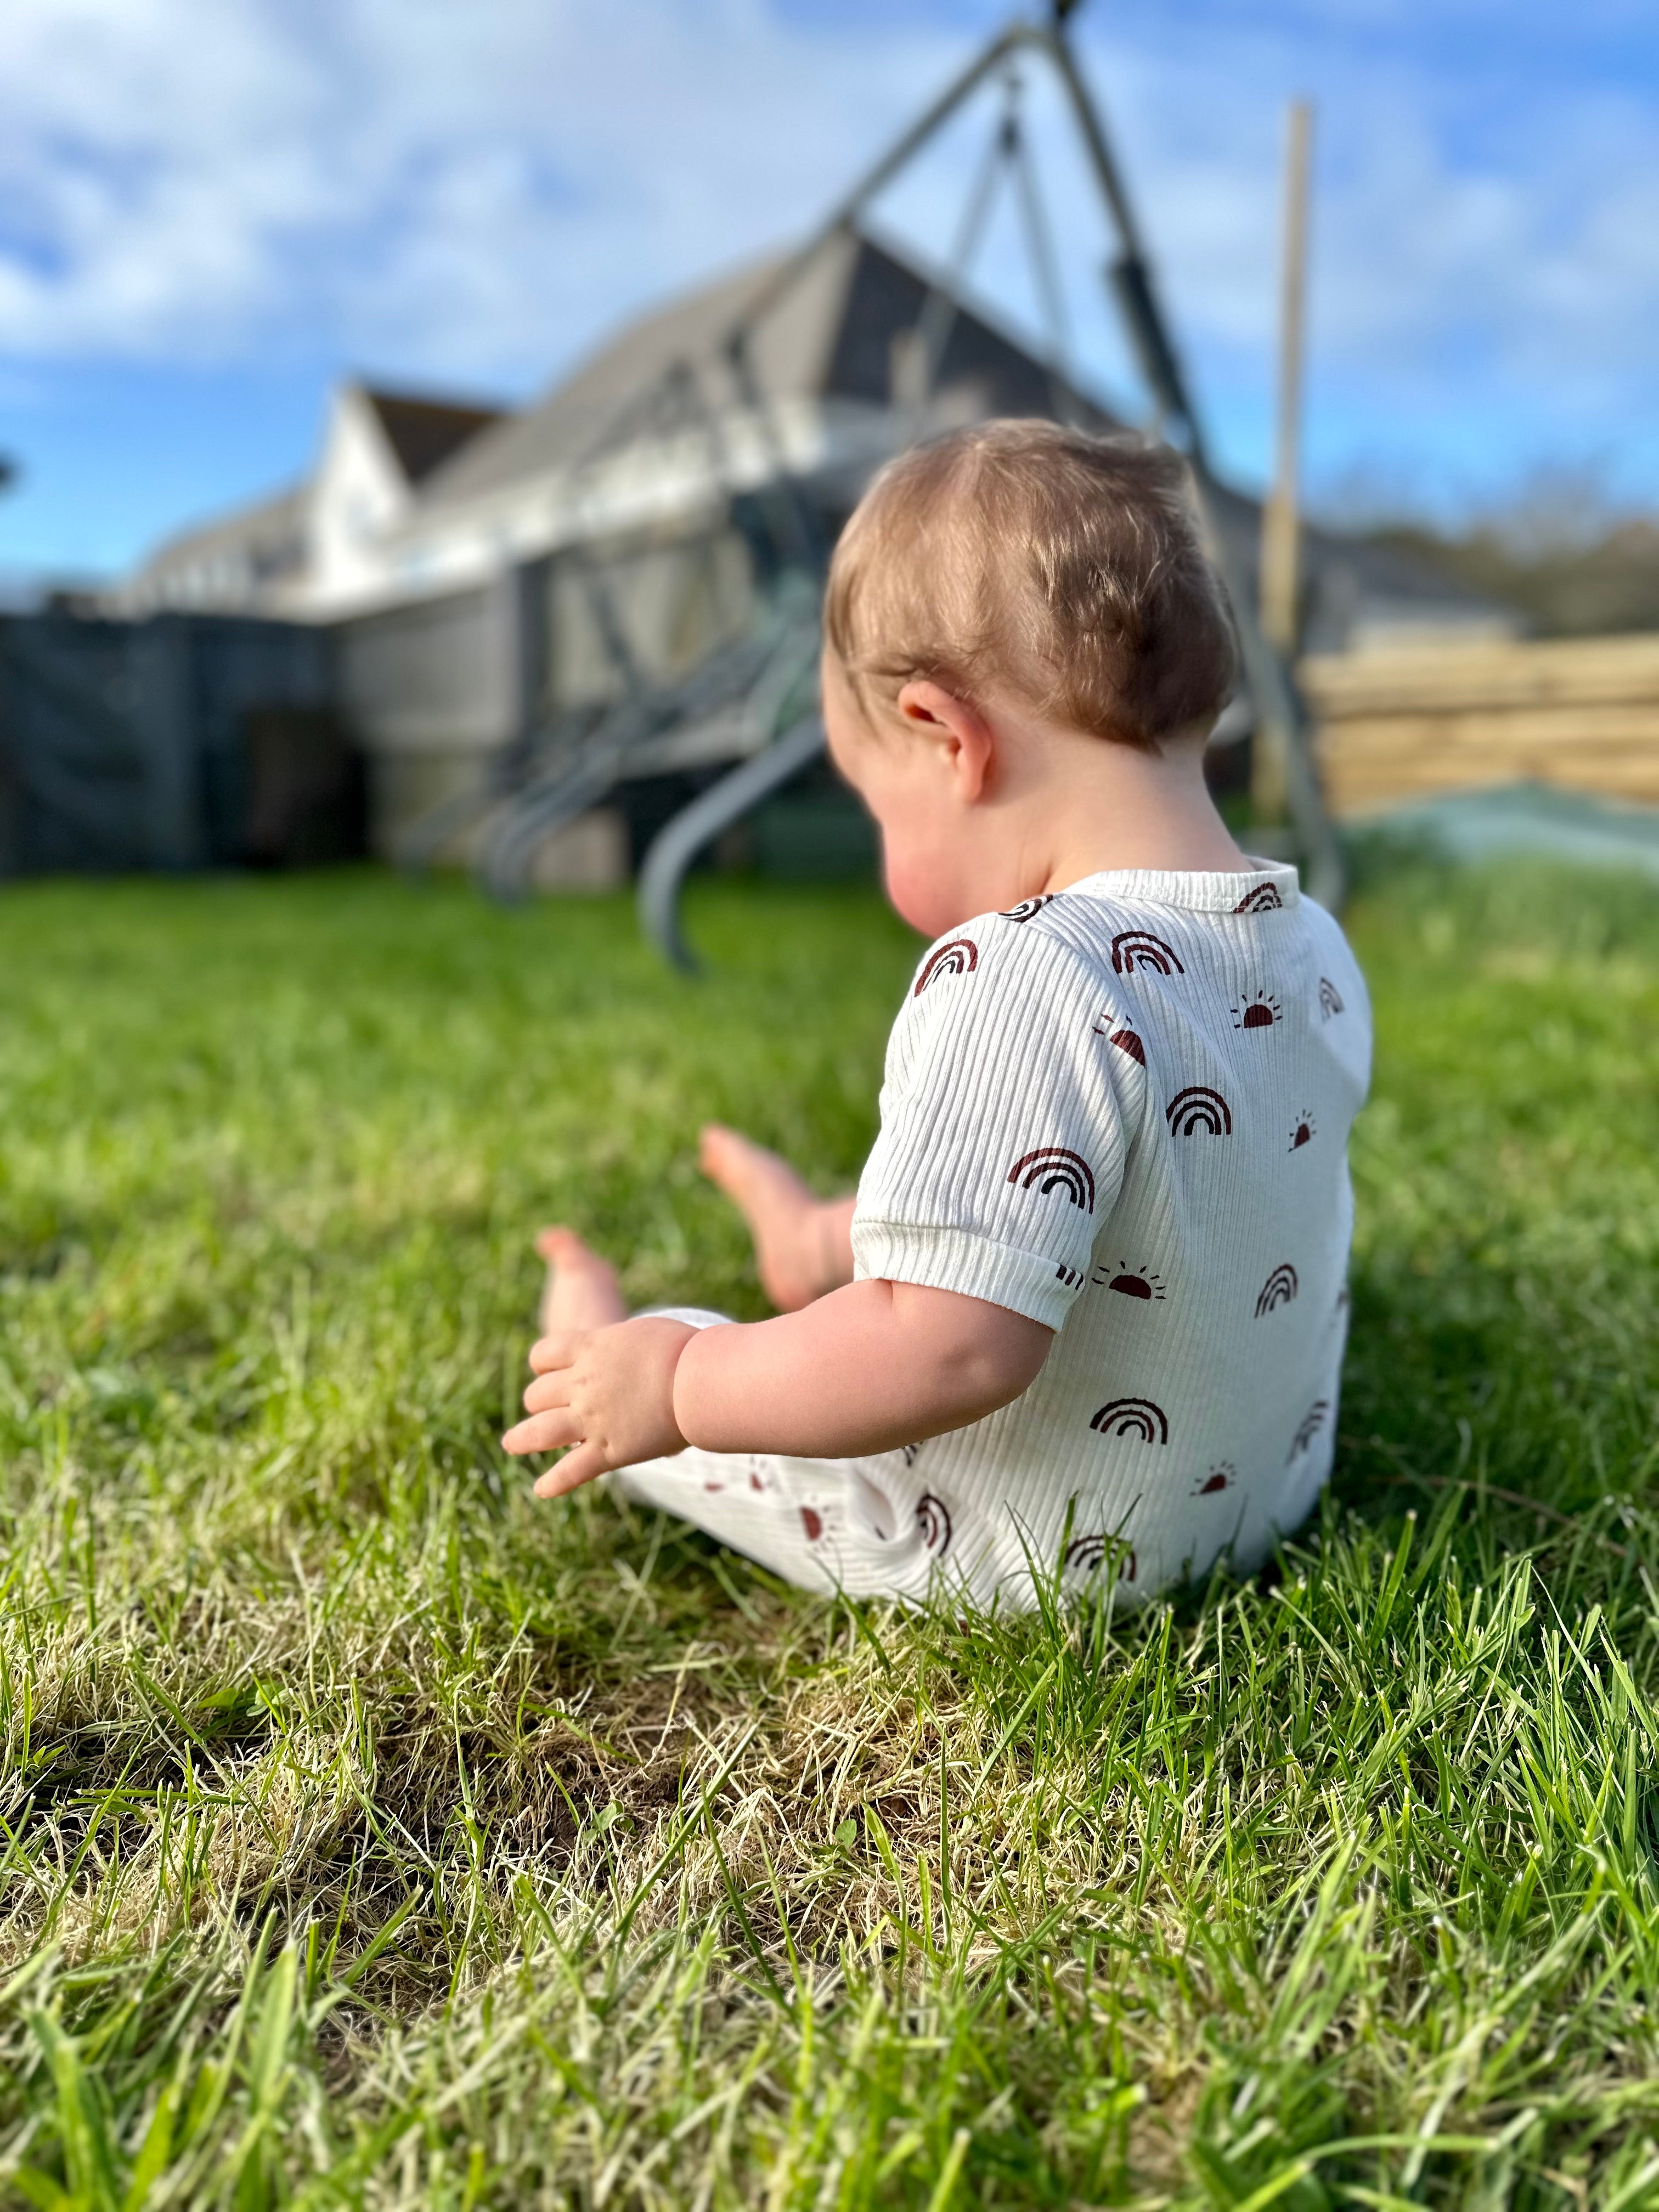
[{"x": 1051, "y": 584}]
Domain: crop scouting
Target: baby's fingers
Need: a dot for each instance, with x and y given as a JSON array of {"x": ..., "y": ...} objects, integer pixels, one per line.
[
  {"x": 544, "y": 1432},
  {"x": 548, "y": 1391},
  {"x": 575, "y": 1468}
]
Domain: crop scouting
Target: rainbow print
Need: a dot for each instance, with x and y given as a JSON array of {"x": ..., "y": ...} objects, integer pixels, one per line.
[
  {"x": 1055, "y": 1168},
  {"x": 1199, "y": 1111},
  {"x": 1087, "y": 1555},
  {"x": 1280, "y": 1287},
  {"x": 1028, "y": 908},
  {"x": 1139, "y": 948},
  {"x": 1132, "y": 1417},
  {"x": 1330, "y": 999},
  {"x": 934, "y": 1521},
  {"x": 1261, "y": 900},
  {"x": 1308, "y": 1428},
  {"x": 959, "y": 957}
]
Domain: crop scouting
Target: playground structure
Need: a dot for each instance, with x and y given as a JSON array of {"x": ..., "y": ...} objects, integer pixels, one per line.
[
  {"x": 748, "y": 706},
  {"x": 584, "y": 634}
]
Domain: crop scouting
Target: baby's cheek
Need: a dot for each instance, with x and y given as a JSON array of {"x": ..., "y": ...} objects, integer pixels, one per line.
[{"x": 920, "y": 891}]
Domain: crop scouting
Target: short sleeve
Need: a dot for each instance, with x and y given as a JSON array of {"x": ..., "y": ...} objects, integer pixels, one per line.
[{"x": 1001, "y": 1148}]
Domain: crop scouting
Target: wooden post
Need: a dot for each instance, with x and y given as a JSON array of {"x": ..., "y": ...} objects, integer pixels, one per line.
[{"x": 1279, "y": 521}]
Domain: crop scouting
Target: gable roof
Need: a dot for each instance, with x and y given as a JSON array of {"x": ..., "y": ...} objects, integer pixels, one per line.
[
  {"x": 265, "y": 537},
  {"x": 423, "y": 433},
  {"x": 828, "y": 334}
]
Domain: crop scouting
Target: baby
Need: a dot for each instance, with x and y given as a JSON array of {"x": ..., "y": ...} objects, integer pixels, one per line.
[{"x": 1087, "y": 1314}]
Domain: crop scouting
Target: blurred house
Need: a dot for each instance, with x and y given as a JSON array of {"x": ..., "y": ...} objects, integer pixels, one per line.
[
  {"x": 452, "y": 550},
  {"x": 309, "y": 550},
  {"x": 245, "y": 562}
]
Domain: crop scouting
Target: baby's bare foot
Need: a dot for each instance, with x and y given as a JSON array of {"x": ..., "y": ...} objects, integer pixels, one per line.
[
  {"x": 782, "y": 1215},
  {"x": 582, "y": 1291}
]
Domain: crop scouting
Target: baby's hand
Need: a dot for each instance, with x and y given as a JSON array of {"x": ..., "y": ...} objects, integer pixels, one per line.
[{"x": 607, "y": 1392}]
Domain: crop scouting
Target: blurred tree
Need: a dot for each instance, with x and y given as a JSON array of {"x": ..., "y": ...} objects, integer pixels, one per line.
[{"x": 1575, "y": 560}]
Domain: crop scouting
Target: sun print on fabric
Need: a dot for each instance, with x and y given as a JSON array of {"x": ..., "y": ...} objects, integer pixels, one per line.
[
  {"x": 1130, "y": 1282},
  {"x": 1125, "y": 1040}
]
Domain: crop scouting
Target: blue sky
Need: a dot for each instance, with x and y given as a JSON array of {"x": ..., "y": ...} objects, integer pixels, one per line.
[{"x": 211, "y": 208}]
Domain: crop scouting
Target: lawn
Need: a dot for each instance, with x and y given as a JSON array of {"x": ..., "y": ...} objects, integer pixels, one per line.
[{"x": 373, "y": 1835}]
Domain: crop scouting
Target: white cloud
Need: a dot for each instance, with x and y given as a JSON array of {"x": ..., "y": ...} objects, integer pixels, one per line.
[
  {"x": 461, "y": 188},
  {"x": 473, "y": 193}
]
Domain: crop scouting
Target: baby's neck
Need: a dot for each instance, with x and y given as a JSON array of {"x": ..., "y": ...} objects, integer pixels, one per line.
[{"x": 1090, "y": 806}]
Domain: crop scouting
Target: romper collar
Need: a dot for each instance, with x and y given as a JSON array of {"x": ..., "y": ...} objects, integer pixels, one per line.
[{"x": 1259, "y": 888}]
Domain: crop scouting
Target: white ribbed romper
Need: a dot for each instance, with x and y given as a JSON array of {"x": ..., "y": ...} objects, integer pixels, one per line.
[{"x": 1123, "y": 1111}]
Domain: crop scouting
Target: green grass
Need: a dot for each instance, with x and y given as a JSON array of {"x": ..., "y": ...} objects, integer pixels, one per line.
[{"x": 374, "y": 1836}]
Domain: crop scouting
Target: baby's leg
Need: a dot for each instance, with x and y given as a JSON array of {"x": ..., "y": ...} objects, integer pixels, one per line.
[
  {"x": 802, "y": 1242},
  {"x": 581, "y": 1290},
  {"x": 859, "y": 1526}
]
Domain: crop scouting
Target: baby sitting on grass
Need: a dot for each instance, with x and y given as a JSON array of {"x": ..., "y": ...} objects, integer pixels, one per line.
[{"x": 1087, "y": 1313}]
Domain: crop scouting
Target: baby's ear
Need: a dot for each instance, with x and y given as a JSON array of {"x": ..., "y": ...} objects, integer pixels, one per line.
[
  {"x": 962, "y": 733},
  {"x": 922, "y": 702}
]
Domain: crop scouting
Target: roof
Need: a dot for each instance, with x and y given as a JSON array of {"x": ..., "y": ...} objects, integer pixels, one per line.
[
  {"x": 828, "y": 333},
  {"x": 425, "y": 432},
  {"x": 269, "y": 532},
  {"x": 570, "y": 418}
]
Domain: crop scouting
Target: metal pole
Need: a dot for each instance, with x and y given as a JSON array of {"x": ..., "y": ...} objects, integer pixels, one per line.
[
  {"x": 1281, "y": 726},
  {"x": 880, "y": 173},
  {"x": 1279, "y": 625},
  {"x": 677, "y": 844},
  {"x": 1131, "y": 273},
  {"x": 1278, "y": 516}
]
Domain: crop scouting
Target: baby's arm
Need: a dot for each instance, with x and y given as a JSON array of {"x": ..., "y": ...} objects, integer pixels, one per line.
[{"x": 871, "y": 1366}]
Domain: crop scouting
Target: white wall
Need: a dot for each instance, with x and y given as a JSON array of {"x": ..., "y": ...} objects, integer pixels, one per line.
[{"x": 359, "y": 496}]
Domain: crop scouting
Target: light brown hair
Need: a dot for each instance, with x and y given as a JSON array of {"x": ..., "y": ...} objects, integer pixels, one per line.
[{"x": 1026, "y": 557}]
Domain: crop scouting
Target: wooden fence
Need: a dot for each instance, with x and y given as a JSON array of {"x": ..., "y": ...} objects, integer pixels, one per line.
[{"x": 1580, "y": 713}]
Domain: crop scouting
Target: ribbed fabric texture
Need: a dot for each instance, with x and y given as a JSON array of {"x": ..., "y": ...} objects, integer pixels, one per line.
[{"x": 1123, "y": 1111}]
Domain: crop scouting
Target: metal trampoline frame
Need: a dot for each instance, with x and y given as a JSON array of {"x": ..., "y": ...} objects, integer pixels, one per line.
[{"x": 753, "y": 694}]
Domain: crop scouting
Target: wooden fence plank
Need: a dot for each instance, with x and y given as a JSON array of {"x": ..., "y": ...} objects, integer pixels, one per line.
[{"x": 1582, "y": 714}]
